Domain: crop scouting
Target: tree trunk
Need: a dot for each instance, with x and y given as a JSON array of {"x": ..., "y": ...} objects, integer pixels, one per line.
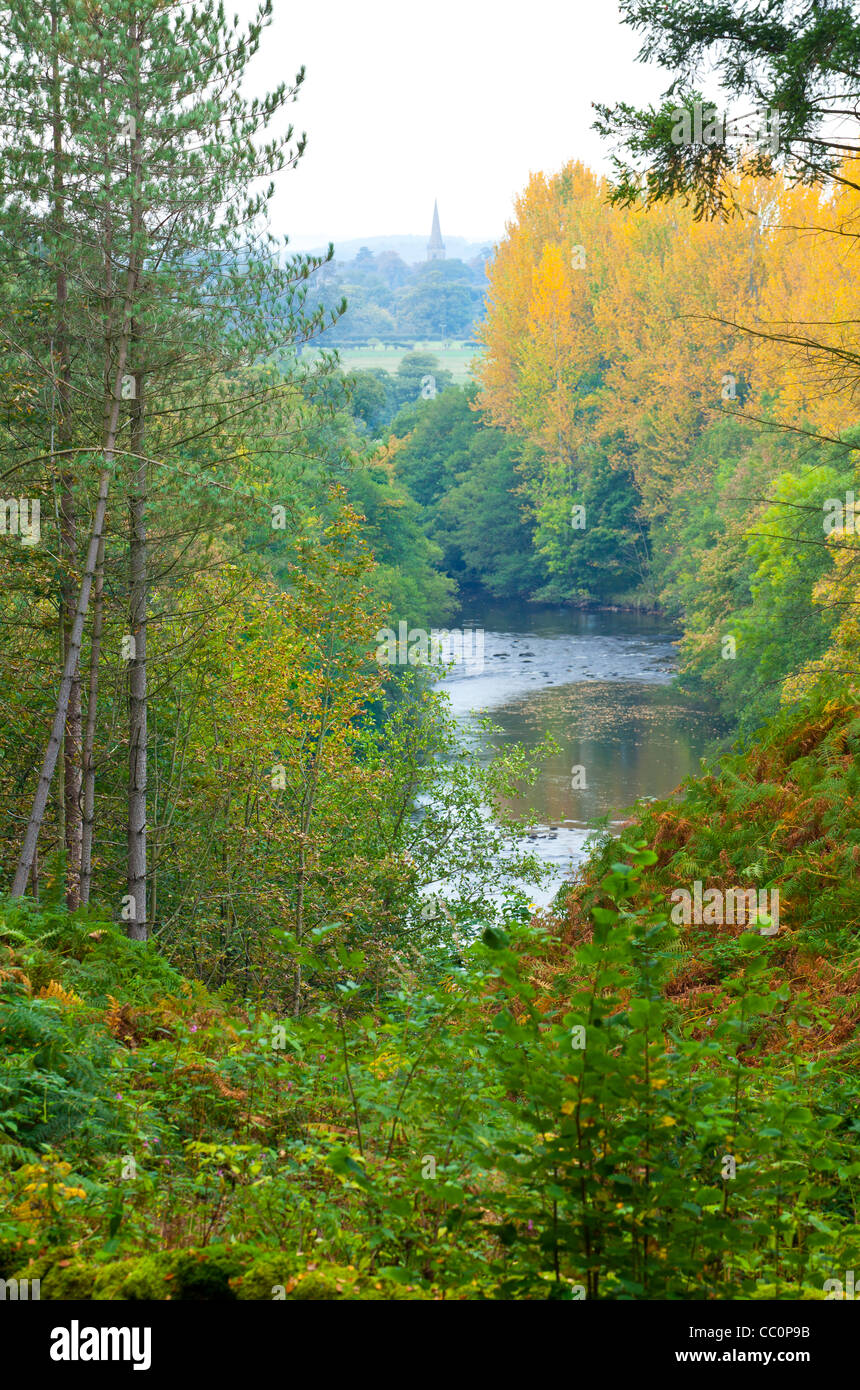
[
  {"x": 89, "y": 768},
  {"x": 114, "y": 373},
  {"x": 72, "y": 739},
  {"x": 136, "y": 923},
  {"x": 137, "y": 703},
  {"x": 46, "y": 776},
  {"x": 71, "y": 794},
  {"x": 88, "y": 759}
]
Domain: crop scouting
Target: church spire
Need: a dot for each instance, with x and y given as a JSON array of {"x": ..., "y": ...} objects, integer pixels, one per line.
[{"x": 436, "y": 246}]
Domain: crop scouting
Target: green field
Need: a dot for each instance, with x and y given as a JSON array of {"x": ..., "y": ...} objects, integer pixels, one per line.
[{"x": 455, "y": 357}]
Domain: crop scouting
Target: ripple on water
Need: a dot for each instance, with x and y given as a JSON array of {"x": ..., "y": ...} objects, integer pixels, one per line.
[{"x": 607, "y": 700}]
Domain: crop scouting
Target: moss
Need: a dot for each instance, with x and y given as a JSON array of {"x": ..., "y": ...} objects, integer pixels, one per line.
[
  {"x": 266, "y": 1273},
  {"x": 140, "y": 1280},
  {"x": 75, "y": 1278},
  {"x": 214, "y": 1273},
  {"x": 109, "y": 1279},
  {"x": 788, "y": 1292},
  {"x": 187, "y": 1275},
  {"x": 61, "y": 1276},
  {"x": 182, "y": 1275},
  {"x": 75, "y": 1281},
  {"x": 273, "y": 1271},
  {"x": 206, "y": 1274},
  {"x": 336, "y": 1282}
]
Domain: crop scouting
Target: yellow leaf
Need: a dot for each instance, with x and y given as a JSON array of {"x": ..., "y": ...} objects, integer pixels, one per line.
[{"x": 54, "y": 990}]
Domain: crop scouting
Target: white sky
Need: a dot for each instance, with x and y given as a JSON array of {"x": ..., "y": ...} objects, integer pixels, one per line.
[{"x": 455, "y": 99}]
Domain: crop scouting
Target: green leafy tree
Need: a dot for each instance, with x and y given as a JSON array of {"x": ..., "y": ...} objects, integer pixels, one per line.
[
  {"x": 797, "y": 62},
  {"x": 181, "y": 285}
]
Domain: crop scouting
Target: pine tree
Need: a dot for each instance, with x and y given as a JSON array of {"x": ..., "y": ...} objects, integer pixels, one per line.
[{"x": 171, "y": 267}]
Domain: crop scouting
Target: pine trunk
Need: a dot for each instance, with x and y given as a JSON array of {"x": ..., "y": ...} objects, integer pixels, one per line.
[
  {"x": 89, "y": 768},
  {"x": 61, "y": 709},
  {"x": 72, "y": 773},
  {"x": 137, "y": 702},
  {"x": 71, "y": 794}
]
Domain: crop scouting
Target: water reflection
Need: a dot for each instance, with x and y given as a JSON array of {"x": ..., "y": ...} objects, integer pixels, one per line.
[
  {"x": 625, "y": 740},
  {"x": 600, "y": 684}
]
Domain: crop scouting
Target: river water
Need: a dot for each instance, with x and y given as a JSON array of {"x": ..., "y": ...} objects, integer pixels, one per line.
[{"x": 600, "y": 683}]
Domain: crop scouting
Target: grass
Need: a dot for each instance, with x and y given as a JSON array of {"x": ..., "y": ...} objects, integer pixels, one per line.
[{"x": 456, "y": 358}]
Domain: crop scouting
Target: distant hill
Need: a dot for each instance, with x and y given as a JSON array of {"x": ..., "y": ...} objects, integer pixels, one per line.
[{"x": 411, "y": 249}]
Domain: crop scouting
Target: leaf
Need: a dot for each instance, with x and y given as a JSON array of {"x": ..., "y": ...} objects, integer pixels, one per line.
[{"x": 495, "y": 938}]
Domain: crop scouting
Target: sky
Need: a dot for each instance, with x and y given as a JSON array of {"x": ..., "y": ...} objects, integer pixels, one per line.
[{"x": 458, "y": 100}]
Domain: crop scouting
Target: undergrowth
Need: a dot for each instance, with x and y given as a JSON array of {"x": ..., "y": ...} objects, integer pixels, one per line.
[{"x": 598, "y": 1103}]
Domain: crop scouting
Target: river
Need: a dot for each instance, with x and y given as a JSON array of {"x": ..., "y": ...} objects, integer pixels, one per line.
[{"x": 600, "y": 683}]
